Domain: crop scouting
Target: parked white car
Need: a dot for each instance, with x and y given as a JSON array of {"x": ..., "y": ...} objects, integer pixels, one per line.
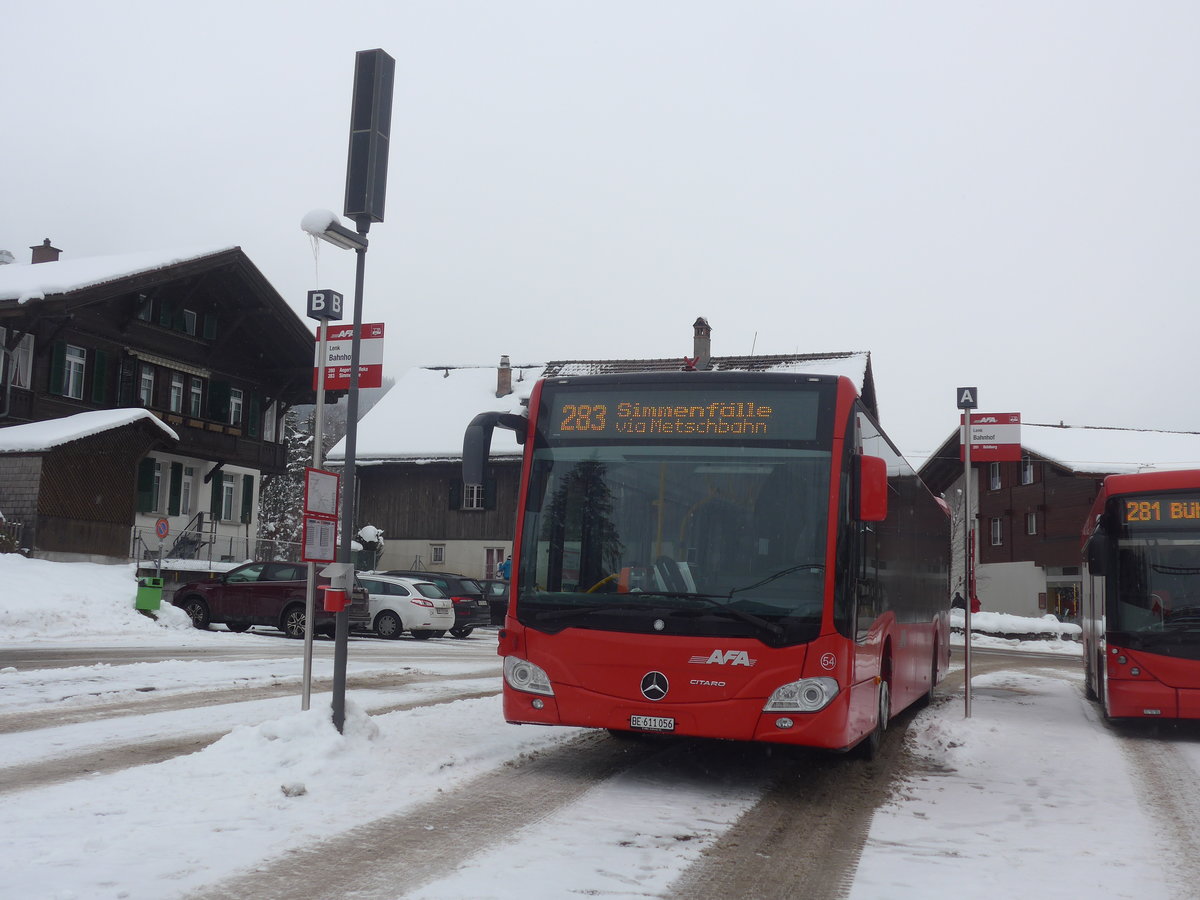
[{"x": 407, "y": 604}]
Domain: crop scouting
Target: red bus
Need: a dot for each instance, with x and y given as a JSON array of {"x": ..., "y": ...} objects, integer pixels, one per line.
[
  {"x": 1141, "y": 596},
  {"x": 719, "y": 554}
]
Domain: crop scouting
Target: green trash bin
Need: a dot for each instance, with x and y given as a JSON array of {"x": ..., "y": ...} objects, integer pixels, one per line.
[{"x": 149, "y": 593}]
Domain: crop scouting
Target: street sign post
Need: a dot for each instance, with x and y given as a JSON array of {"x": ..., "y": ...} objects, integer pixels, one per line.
[{"x": 968, "y": 399}]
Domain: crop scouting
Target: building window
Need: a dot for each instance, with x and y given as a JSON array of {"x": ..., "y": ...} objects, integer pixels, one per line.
[
  {"x": 146, "y": 385},
  {"x": 994, "y": 476},
  {"x": 197, "y": 397},
  {"x": 472, "y": 496},
  {"x": 235, "y": 406},
  {"x": 73, "y": 366},
  {"x": 156, "y": 495},
  {"x": 1026, "y": 470},
  {"x": 1031, "y": 523},
  {"x": 437, "y": 554},
  {"x": 145, "y": 308},
  {"x": 19, "y": 359},
  {"x": 270, "y": 422},
  {"x": 185, "y": 491},
  {"x": 176, "y": 392},
  {"x": 228, "y": 485},
  {"x": 189, "y": 321},
  {"x": 997, "y": 532}
]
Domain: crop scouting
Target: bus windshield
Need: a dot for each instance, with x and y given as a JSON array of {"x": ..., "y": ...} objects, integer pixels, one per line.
[
  {"x": 1158, "y": 564},
  {"x": 724, "y": 540}
]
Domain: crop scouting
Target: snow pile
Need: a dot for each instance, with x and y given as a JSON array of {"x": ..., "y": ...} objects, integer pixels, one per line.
[{"x": 48, "y": 601}]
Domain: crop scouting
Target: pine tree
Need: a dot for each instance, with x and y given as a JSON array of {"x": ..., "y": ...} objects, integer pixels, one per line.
[{"x": 281, "y": 502}]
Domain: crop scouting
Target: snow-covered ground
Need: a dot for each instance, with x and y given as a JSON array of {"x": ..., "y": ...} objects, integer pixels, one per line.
[{"x": 1030, "y": 796}]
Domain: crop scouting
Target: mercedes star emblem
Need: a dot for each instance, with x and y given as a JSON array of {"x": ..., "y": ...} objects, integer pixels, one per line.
[{"x": 654, "y": 685}]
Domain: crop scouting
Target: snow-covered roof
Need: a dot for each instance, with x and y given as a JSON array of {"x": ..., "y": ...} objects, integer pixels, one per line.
[
  {"x": 424, "y": 415},
  {"x": 1111, "y": 450},
  {"x": 30, "y": 281},
  {"x": 36, "y": 437}
]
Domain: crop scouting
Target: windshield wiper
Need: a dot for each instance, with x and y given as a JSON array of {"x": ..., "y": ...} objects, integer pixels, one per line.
[{"x": 812, "y": 567}]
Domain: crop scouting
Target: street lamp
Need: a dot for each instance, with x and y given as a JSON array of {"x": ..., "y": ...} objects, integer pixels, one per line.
[
  {"x": 366, "y": 187},
  {"x": 323, "y": 224}
]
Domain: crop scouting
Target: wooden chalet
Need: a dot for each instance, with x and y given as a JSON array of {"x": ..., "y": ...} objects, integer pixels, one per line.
[
  {"x": 201, "y": 341},
  {"x": 1029, "y": 514}
]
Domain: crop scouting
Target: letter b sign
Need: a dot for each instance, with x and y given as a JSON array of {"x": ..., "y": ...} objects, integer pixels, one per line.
[{"x": 324, "y": 305}]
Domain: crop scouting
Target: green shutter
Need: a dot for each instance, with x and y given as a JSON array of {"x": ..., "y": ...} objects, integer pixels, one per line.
[
  {"x": 210, "y": 327},
  {"x": 253, "y": 418},
  {"x": 247, "y": 497},
  {"x": 176, "y": 489},
  {"x": 166, "y": 312},
  {"x": 218, "y": 401},
  {"x": 100, "y": 377},
  {"x": 455, "y": 493},
  {"x": 58, "y": 363},
  {"x": 145, "y": 485},
  {"x": 214, "y": 501},
  {"x": 489, "y": 493}
]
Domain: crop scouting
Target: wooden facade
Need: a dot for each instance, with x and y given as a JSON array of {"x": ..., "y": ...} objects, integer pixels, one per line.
[{"x": 205, "y": 343}]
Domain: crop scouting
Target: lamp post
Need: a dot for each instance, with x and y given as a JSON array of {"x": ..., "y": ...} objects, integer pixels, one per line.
[
  {"x": 324, "y": 224},
  {"x": 366, "y": 188}
]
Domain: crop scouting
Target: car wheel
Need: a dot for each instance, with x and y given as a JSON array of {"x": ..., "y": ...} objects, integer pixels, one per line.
[
  {"x": 424, "y": 635},
  {"x": 238, "y": 627},
  {"x": 293, "y": 621},
  {"x": 462, "y": 631},
  {"x": 388, "y": 625},
  {"x": 198, "y": 610}
]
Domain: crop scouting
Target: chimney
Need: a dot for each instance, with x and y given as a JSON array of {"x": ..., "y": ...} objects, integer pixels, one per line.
[
  {"x": 701, "y": 342},
  {"x": 504, "y": 378},
  {"x": 43, "y": 252}
]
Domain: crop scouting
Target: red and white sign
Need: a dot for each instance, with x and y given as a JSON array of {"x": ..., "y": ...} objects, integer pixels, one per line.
[
  {"x": 995, "y": 437},
  {"x": 337, "y": 357}
]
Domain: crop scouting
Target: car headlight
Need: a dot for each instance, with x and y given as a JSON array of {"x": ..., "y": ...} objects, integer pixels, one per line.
[
  {"x": 806, "y": 695},
  {"x": 522, "y": 675}
]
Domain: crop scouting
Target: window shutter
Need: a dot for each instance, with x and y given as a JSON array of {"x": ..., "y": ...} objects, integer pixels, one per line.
[
  {"x": 100, "y": 377},
  {"x": 166, "y": 313},
  {"x": 145, "y": 485},
  {"x": 253, "y": 417},
  {"x": 178, "y": 319},
  {"x": 455, "y": 493},
  {"x": 489, "y": 493},
  {"x": 218, "y": 400},
  {"x": 176, "y": 489},
  {"x": 214, "y": 501},
  {"x": 210, "y": 327},
  {"x": 247, "y": 497},
  {"x": 58, "y": 363}
]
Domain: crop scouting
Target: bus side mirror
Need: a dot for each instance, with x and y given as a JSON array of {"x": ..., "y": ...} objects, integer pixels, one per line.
[
  {"x": 1096, "y": 552},
  {"x": 477, "y": 441},
  {"x": 872, "y": 489}
]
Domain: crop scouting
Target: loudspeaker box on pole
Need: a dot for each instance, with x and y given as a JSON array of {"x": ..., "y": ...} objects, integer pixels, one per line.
[{"x": 370, "y": 130}]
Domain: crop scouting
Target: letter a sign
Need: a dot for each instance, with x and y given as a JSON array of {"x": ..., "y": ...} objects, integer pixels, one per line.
[{"x": 967, "y": 398}]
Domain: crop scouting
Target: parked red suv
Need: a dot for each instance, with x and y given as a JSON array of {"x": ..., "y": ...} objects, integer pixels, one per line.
[{"x": 264, "y": 593}]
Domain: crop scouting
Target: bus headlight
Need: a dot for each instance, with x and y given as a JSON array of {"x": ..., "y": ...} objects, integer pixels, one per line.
[
  {"x": 806, "y": 695},
  {"x": 522, "y": 675}
]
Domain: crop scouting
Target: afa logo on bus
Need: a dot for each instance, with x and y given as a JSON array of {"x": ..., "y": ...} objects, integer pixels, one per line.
[{"x": 724, "y": 658}]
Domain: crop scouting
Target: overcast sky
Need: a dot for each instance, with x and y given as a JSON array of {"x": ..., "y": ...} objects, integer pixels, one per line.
[{"x": 1001, "y": 195}]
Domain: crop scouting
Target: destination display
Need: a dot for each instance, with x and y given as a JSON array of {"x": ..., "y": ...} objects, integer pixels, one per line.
[
  {"x": 1161, "y": 509},
  {"x": 683, "y": 415}
]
